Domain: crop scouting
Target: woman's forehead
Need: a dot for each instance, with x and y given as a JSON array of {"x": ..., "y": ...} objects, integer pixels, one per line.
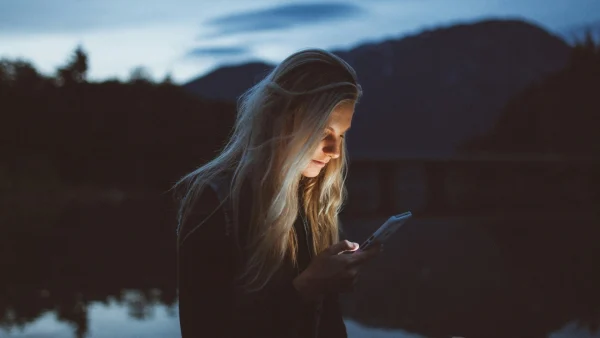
[{"x": 341, "y": 117}]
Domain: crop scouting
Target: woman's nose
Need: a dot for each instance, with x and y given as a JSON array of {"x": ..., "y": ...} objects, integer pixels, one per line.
[{"x": 332, "y": 149}]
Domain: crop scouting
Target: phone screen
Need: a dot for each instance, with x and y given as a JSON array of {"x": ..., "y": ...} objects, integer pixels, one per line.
[{"x": 386, "y": 230}]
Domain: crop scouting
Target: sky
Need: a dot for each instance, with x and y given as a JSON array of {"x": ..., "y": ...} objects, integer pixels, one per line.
[{"x": 188, "y": 38}]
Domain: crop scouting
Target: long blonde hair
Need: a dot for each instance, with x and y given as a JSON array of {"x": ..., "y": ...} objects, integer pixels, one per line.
[{"x": 280, "y": 123}]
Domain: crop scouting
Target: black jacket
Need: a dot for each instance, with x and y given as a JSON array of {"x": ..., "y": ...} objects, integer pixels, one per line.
[{"x": 210, "y": 305}]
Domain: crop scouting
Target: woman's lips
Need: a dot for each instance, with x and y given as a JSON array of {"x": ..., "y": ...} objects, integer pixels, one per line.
[{"x": 319, "y": 163}]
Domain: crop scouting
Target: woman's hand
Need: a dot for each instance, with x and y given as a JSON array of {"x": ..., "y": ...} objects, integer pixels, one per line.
[{"x": 333, "y": 271}]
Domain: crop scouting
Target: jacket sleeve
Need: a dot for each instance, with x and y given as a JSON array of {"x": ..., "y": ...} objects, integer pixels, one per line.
[
  {"x": 332, "y": 322},
  {"x": 205, "y": 271},
  {"x": 208, "y": 302}
]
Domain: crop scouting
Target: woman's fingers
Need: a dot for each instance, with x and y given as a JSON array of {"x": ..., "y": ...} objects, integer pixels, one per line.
[
  {"x": 349, "y": 283},
  {"x": 342, "y": 246},
  {"x": 359, "y": 257}
]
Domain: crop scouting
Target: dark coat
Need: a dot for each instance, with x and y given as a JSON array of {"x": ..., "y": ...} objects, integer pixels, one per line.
[{"x": 210, "y": 303}]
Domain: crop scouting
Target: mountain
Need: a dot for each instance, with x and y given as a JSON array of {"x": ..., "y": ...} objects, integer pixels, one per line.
[
  {"x": 227, "y": 83},
  {"x": 426, "y": 94},
  {"x": 556, "y": 116}
]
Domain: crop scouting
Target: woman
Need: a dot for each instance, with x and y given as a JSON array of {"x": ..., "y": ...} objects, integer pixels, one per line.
[{"x": 258, "y": 226}]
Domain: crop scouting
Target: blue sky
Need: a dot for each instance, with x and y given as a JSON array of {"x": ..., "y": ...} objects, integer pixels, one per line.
[{"x": 190, "y": 37}]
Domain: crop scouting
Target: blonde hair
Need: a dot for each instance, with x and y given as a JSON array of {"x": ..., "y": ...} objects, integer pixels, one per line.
[{"x": 280, "y": 123}]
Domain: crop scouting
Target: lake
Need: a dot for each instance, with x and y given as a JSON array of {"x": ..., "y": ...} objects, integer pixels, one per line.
[
  {"x": 104, "y": 270},
  {"x": 115, "y": 321}
]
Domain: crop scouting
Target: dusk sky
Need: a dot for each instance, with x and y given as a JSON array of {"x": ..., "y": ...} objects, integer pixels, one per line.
[{"x": 190, "y": 37}]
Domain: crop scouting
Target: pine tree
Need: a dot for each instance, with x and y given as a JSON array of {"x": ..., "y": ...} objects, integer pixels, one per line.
[{"x": 75, "y": 72}]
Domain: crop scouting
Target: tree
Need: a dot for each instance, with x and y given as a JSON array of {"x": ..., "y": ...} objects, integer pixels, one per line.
[
  {"x": 18, "y": 72},
  {"x": 586, "y": 52},
  {"x": 75, "y": 71},
  {"x": 3, "y": 72},
  {"x": 21, "y": 74},
  {"x": 168, "y": 80},
  {"x": 140, "y": 74}
]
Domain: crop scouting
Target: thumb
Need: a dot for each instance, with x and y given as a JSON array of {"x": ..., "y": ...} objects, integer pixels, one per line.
[{"x": 342, "y": 246}]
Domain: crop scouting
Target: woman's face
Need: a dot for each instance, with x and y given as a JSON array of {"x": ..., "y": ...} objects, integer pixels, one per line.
[{"x": 330, "y": 146}]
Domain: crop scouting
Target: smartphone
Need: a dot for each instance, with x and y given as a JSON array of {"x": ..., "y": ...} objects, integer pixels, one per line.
[{"x": 386, "y": 230}]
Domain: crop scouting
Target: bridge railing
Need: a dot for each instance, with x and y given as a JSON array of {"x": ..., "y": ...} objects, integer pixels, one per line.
[{"x": 470, "y": 184}]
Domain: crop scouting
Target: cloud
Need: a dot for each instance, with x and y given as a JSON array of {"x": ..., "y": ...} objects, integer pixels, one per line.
[
  {"x": 282, "y": 17},
  {"x": 218, "y": 51},
  {"x": 84, "y": 16}
]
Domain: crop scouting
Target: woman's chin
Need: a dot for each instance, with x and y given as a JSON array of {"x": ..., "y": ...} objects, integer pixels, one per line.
[{"x": 311, "y": 172}]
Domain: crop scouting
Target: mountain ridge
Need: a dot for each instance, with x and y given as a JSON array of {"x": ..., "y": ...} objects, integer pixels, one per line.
[{"x": 429, "y": 92}]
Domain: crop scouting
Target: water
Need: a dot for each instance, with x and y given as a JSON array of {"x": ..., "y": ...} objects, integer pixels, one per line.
[
  {"x": 114, "y": 321},
  {"x": 108, "y": 271}
]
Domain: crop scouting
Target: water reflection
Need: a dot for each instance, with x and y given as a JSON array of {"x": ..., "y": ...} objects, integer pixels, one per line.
[
  {"x": 114, "y": 320},
  {"x": 518, "y": 276},
  {"x": 108, "y": 271},
  {"x": 111, "y": 319}
]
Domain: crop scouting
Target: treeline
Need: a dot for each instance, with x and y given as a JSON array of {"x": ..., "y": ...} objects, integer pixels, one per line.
[
  {"x": 559, "y": 115},
  {"x": 133, "y": 134},
  {"x": 146, "y": 134}
]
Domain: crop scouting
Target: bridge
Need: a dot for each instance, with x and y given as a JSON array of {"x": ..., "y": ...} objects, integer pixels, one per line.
[{"x": 471, "y": 183}]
